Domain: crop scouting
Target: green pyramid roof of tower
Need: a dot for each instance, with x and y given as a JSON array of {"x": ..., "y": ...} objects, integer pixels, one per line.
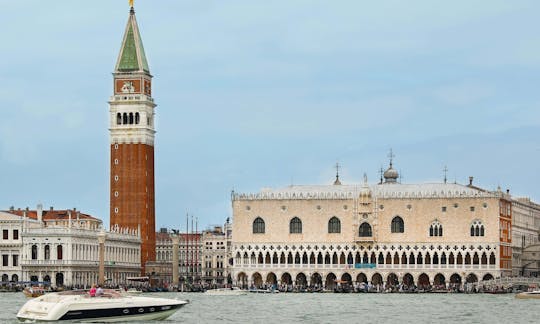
[{"x": 132, "y": 57}]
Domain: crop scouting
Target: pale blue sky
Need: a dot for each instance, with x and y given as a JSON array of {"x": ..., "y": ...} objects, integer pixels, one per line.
[{"x": 258, "y": 94}]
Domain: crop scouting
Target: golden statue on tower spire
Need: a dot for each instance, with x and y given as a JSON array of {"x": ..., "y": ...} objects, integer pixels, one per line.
[{"x": 131, "y": 3}]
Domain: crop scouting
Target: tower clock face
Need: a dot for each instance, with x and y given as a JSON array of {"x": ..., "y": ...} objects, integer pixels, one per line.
[{"x": 123, "y": 86}]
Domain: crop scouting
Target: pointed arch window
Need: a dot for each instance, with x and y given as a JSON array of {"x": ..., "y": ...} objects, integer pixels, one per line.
[
  {"x": 435, "y": 229},
  {"x": 258, "y": 226},
  {"x": 397, "y": 225},
  {"x": 477, "y": 228},
  {"x": 365, "y": 230},
  {"x": 295, "y": 226},
  {"x": 334, "y": 225}
]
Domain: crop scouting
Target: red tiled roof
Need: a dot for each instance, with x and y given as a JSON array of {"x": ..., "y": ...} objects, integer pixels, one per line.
[{"x": 52, "y": 214}]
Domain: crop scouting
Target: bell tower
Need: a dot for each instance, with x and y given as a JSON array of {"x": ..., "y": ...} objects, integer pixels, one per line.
[{"x": 132, "y": 142}]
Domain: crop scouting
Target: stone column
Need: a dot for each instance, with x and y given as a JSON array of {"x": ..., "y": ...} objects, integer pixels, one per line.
[
  {"x": 101, "y": 240},
  {"x": 175, "y": 242}
]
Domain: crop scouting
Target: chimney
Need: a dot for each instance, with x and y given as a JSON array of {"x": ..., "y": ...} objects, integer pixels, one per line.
[
  {"x": 507, "y": 191},
  {"x": 74, "y": 209},
  {"x": 470, "y": 181},
  {"x": 39, "y": 212},
  {"x": 51, "y": 208},
  {"x": 12, "y": 208}
]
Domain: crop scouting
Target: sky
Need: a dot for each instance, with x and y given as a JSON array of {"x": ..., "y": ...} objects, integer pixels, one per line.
[{"x": 255, "y": 94}]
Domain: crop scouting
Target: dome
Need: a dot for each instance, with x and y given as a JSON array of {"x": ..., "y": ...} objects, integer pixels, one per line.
[{"x": 391, "y": 175}]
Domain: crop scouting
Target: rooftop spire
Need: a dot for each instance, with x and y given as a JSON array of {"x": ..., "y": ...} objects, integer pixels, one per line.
[
  {"x": 391, "y": 175},
  {"x": 337, "y": 182},
  {"x": 132, "y": 57}
]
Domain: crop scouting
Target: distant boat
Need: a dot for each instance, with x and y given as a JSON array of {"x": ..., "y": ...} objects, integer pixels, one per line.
[
  {"x": 33, "y": 292},
  {"x": 529, "y": 295},
  {"x": 133, "y": 291},
  {"x": 264, "y": 291},
  {"x": 234, "y": 291}
]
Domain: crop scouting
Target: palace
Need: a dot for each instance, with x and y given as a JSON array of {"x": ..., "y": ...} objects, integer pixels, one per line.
[
  {"x": 61, "y": 247},
  {"x": 389, "y": 233}
]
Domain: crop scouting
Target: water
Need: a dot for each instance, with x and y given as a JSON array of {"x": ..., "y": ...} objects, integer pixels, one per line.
[{"x": 335, "y": 308}]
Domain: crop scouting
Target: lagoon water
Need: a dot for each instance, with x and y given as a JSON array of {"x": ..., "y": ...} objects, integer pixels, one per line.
[{"x": 335, "y": 308}]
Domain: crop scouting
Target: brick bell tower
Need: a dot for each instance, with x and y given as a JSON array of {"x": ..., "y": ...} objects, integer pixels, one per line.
[{"x": 132, "y": 142}]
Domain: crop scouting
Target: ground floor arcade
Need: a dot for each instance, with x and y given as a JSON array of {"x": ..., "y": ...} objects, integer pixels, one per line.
[{"x": 375, "y": 278}]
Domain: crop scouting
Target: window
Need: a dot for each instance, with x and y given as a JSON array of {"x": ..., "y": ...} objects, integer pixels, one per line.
[
  {"x": 34, "y": 252},
  {"x": 443, "y": 209},
  {"x": 477, "y": 228},
  {"x": 124, "y": 119},
  {"x": 118, "y": 119},
  {"x": 258, "y": 226},
  {"x": 295, "y": 226},
  {"x": 397, "y": 225},
  {"x": 5, "y": 234},
  {"x": 5, "y": 260},
  {"x": 59, "y": 254},
  {"x": 15, "y": 234},
  {"x": 131, "y": 118},
  {"x": 435, "y": 229},
  {"x": 365, "y": 230},
  {"x": 472, "y": 208},
  {"x": 334, "y": 225},
  {"x": 47, "y": 252},
  {"x": 137, "y": 118},
  {"x": 15, "y": 260}
]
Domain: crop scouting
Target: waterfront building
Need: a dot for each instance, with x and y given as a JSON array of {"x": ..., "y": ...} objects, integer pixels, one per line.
[
  {"x": 61, "y": 247},
  {"x": 215, "y": 255},
  {"x": 11, "y": 246},
  {"x": 189, "y": 253},
  {"x": 438, "y": 234},
  {"x": 132, "y": 142},
  {"x": 525, "y": 237}
]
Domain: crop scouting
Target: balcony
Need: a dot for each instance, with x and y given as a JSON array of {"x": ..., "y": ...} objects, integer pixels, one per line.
[
  {"x": 40, "y": 263},
  {"x": 364, "y": 239}
]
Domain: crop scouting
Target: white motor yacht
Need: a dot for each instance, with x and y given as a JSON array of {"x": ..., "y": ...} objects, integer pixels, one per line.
[
  {"x": 111, "y": 306},
  {"x": 234, "y": 291}
]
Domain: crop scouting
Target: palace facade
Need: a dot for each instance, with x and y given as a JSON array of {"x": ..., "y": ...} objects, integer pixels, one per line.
[
  {"x": 525, "y": 237},
  {"x": 61, "y": 247},
  {"x": 388, "y": 233}
]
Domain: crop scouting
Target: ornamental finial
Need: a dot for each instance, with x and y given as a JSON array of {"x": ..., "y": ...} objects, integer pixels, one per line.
[{"x": 131, "y": 3}]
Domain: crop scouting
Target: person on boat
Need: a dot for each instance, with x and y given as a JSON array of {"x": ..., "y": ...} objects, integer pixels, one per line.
[
  {"x": 93, "y": 291},
  {"x": 99, "y": 291}
]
